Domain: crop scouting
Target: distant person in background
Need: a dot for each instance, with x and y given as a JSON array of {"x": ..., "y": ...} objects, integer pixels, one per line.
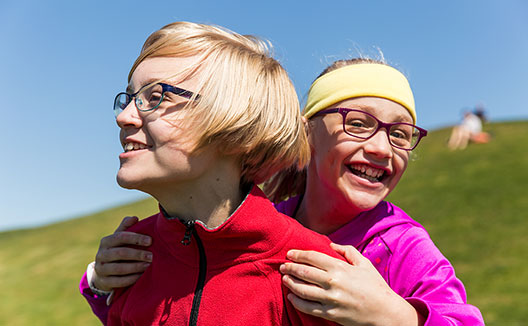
[
  {"x": 360, "y": 120},
  {"x": 469, "y": 130}
]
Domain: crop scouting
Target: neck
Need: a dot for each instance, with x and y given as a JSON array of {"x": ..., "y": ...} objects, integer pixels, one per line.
[
  {"x": 321, "y": 211},
  {"x": 210, "y": 198}
]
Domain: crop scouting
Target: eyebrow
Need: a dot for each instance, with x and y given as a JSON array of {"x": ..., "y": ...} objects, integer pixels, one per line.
[
  {"x": 404, "y": 117},
  {"x": 368, "y": 108},
  {"x": 149, "y": 81}
]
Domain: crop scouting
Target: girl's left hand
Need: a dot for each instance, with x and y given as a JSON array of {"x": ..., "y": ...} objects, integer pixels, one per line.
[{"x": 352, "y": 293}]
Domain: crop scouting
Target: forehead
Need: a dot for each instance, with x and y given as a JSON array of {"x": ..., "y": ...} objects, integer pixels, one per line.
[
  {"x": 168, "y": 69},
  {"x": 382, "y": 108}
]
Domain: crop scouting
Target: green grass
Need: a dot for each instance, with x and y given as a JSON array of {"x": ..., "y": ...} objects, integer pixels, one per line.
[
  {"x": 40, "y": 268},
  {"x": 472, "y": 202}
]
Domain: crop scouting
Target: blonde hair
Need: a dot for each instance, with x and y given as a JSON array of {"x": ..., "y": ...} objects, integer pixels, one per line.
[
  {"x": 247, "y": 106},
  {"x": 291, "y": 182}
]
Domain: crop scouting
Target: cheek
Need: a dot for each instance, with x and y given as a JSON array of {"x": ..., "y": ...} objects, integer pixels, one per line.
[
  {"x": 338, "y": 152},
  {"x": 328, "y": 145},
  {"x": 400, "y": 162},
  {"x": 177, "y": 133},
  {"x": 164, "y": 132},
  {"x": 330, "y": 160},
  {"x": 322, "y": 154}
]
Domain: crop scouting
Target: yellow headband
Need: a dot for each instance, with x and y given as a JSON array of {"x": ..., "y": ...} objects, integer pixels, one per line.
[{"x": 356, "y": 80}]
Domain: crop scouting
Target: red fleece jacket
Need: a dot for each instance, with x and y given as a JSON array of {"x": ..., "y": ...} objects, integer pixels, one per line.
[{"x": 227, "y": 276}]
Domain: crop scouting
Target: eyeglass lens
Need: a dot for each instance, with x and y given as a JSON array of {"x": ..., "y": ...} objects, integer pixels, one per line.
[
  {"x": 362, "y": 125},
  {"x": 146, "y": 99},
  {"x": 149, "y": 98}
]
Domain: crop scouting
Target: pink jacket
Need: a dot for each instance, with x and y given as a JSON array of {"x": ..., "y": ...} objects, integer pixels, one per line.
[{"x": 404, "y": 254}]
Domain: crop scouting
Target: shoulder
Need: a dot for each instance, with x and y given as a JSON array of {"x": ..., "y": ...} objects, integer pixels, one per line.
[
  {"x": 303, "y": 238},
  {"x": 417, "y": 265},
  {"x": 386, "y": 221},
  {"x": 146, "y": 225},
  {"x": 288, "y": 206},
  {"x": 397, "y": 229},
  {"x": 410, "y": 242}
]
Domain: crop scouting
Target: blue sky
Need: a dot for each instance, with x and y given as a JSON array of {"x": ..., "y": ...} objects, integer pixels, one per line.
[{"x": 62, "y": 62}]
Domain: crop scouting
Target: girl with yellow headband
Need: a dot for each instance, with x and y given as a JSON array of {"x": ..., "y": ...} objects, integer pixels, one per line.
[
  {"x": 360, "y": 119},
  {"x": 361, "y": 127}
]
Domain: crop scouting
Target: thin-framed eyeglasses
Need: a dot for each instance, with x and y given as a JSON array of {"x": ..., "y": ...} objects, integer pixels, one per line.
[
  {"x": 363, "y": 125},
  {"x": 149, "y": 97}
]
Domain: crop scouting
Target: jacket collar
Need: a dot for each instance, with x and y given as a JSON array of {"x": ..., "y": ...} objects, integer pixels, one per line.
[{"x": 252, "y": 232}]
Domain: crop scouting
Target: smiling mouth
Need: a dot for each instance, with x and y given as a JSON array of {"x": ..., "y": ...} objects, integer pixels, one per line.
[
  {"x": 129, "y": 147},
  {"x": 367, "y": 172}
]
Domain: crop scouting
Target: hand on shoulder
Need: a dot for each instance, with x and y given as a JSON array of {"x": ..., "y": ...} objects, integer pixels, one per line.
[
  {"x": 352, "y": 293},
  {"x": 116, "y": 264}
]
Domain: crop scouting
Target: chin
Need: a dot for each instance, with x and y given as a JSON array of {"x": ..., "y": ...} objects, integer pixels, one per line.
[
  {"x": 125, "y": 185},
  {"x": 127, "y": 182},
  {"x": 365, "y": 202}
]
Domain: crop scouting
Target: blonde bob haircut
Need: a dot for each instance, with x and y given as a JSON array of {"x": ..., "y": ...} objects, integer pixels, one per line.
[{"x": 248, "y": 106}]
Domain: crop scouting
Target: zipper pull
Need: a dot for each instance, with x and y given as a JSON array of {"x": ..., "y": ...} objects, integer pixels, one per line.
[{"x": 189, "y": 227}]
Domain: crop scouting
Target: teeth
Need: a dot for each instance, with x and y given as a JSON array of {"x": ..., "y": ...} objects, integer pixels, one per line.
[
  {"x": 370, "y": 178},
  {"x": 368, "y": 172},
  {"x": 133, "y": 146}
]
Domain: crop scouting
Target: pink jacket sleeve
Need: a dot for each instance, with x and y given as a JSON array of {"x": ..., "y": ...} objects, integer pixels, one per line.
[
  {"x": 97, "y": 303},
  {"x": 426, "y": 279}
]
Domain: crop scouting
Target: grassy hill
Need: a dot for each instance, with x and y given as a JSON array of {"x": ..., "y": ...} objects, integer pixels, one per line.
[{"x": 473, "y": 202}]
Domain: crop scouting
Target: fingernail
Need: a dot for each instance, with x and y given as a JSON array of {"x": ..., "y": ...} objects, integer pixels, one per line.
[
  {"x": 282, "y": 267},
  {"x": 148, "y": 256},
  {"x": 146, "y": 241}
]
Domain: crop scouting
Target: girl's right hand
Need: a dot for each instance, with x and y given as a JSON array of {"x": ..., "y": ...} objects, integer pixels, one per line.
[
  {"x": 352, "y": 293},
  {"x": 117, "y": 265}
]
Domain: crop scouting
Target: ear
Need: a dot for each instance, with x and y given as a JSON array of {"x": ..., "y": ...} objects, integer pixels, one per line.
[{"x": 306, "y": 124}]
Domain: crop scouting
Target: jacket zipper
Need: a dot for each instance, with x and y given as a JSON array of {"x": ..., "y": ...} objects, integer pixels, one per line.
[{"x": 189, "y": 232}]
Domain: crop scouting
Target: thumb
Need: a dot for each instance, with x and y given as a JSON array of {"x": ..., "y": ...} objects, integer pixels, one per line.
[
  {"x": 127, "y": 222},
  {"x": 351, "y": 254}
]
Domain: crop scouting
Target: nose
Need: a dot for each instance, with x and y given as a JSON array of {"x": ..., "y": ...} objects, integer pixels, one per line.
[
  {"x": 379, "y": 145},
  {"x": 129, "y": 117}
]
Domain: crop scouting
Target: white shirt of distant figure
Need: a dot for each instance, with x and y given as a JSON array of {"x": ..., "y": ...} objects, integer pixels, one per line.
[{"x": 472, "y": 123}]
